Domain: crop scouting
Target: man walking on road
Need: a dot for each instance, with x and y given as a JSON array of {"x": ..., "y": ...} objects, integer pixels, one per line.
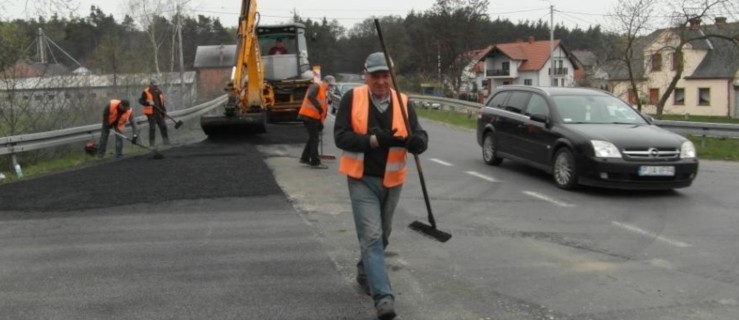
[
  {"x": 153, "y": 101},
  {"x": 370, "y": 130},
  {"x": 313, "y": 112},
  {"x": 115, "y": 116}
]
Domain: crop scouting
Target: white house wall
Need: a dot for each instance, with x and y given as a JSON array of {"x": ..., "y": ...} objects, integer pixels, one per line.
[{"x": 569, "y": 78}]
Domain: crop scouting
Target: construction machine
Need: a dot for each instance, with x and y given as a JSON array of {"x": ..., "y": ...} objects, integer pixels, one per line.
[{"x": 264, "y": 87}]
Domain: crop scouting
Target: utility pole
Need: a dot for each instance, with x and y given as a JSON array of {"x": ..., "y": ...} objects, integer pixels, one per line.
[
  {"x": 551, "y": 45},
  {"x": 182, "y": 59},
  {"x": 41, "y": 46}
]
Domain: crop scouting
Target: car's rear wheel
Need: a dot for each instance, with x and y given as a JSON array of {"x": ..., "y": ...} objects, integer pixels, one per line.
[
  {"x": 489, "y": 150},
  {"x": 564, "y": 170}
]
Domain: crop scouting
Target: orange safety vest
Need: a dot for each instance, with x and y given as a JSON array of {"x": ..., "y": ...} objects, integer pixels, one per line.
[
  {"x": 113, "y": 115},
  {"x": 149, "y": 110},
  {"x": 309, "y": 110},
  {"x": 352, "y": 163}
]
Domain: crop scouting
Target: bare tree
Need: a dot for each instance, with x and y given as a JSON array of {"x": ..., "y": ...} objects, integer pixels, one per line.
[
  {"x": 632, "y": 19},
  {"x": 687, "y": 15},
  {"x": 146, "y": 12}
]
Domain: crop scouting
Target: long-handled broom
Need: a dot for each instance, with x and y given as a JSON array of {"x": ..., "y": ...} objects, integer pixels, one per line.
[
  {"x": 425, "y": 229},
  {"x": 321, "y": 154}
]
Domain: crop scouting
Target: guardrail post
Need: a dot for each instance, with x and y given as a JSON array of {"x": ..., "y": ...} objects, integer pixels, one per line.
[
  {"x": 16, "y": 166},
  {"x": 703, "y": 138}
]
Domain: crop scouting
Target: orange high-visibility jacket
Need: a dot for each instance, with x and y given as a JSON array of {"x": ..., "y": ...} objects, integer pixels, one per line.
[
  {"x": 149, "y": 110},
  {"x": 352, "y": 163},
  {"x": 113, "y": 115},
  {"x": 309, "y": 110}
]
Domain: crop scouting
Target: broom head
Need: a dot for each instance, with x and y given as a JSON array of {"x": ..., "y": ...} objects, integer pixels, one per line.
[{"x": 430, "y": 231}]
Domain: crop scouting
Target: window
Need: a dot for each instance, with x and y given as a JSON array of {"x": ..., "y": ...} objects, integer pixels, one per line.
[
  {"x": 677, "y": 60},
  {"x": 527, "y": 82},
  {"x": 518, "y": 101},
  {"x": 632, "y": 96},
  {"x": 498, "y": 100},
  {"x": 704, "y": 96},
  {"x": 653, "y": 96},
  {"x": 555, "y": 82},
  {"x": 537, "y": 105},
  {"x": 656, "y": 62},
  {"x": 38, "y": 97},
  {"x": 679, "y": 97}
]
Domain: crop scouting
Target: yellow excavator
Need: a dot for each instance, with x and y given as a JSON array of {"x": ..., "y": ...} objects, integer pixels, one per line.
[{"x": 267, "y": 85}]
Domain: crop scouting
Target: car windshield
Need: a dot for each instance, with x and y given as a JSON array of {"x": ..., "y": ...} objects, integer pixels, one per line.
[{"x": 595, "y": 109}]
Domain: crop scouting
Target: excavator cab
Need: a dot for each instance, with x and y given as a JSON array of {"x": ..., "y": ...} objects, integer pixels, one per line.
[{"x": 287, "y": 71}]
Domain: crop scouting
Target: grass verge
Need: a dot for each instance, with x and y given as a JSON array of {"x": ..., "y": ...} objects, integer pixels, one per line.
[{"x": 62, "y": 163}]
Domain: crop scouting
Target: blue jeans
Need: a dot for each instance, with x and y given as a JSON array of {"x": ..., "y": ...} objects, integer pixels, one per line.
[{"x": 373, "y": 206}]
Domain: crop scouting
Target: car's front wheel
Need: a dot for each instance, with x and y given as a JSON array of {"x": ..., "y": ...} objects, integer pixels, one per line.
[
  {"x": 564, "y": 170},
  {"x": 489, "y": 150}
]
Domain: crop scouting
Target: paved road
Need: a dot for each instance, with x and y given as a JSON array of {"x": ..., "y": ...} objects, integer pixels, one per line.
[{"x": 523, "y": 249}]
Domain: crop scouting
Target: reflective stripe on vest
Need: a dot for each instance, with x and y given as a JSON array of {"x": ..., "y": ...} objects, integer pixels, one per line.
[
  {"x": 149, "y": 110},
  {"x": 307, "y": 109},
  {"x": 113, "y": 114},
  {"x": 352, "y": 163}
]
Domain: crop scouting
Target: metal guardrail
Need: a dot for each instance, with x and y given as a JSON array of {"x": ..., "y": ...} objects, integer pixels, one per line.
[
  {"x": 682, "y": 127},
  {"x": 34, "y": 141}
]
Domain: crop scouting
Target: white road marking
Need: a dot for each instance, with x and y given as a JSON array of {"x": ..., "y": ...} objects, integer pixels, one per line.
[
  {"x": 443, "y": 163},
  {"x": 482, "y": 176},
  {"x": 548, "y": 199},
  {"x": 651, "y": 234}
]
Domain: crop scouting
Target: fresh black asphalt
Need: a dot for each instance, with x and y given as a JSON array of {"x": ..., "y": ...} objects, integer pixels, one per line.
[{"x": 205, "y": 233}]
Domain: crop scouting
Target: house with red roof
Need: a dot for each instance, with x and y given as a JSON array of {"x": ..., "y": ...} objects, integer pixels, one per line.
[{"x": 530, "y": 62}]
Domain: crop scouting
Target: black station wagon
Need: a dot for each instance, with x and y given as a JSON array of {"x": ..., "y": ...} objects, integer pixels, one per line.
[{"x": 583, "y": 136}]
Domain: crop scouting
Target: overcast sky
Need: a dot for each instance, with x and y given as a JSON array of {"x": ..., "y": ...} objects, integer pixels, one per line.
[{"x": 572, "y": 13}]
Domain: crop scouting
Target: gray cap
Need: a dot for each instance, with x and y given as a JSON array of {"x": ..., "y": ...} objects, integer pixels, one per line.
[
  {"x": 153, "y": 81},
  {"x": 376, "y": 62},
  {"x": 330, "y": 80}
]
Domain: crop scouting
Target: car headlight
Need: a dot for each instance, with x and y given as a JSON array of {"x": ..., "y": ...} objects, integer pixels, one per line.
[
  {"x": 687, "y": 150},
  {"x": 605, "y": 149}
]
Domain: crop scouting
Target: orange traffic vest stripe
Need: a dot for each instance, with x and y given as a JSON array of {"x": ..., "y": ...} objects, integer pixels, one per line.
[
  {"x": 309, "y": 110},
  {"x": 149, "y": 110},
  {"x": 113, "y": 114},
  {"x": 352, "y": 163}
]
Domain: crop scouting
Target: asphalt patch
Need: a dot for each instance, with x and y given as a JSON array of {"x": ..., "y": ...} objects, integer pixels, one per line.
[{"x": 209, "y": 169}]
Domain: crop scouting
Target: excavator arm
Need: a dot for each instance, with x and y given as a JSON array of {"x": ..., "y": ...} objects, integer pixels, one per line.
[
  {"x": 247, "y": 91},
  {"x": 249, "y": 74}
]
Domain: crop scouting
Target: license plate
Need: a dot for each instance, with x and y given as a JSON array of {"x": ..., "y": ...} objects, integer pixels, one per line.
[{"x": 657, "y": 171}]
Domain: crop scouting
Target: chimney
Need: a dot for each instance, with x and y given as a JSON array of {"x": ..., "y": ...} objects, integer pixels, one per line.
[
  {"x": 695, "y": 23},
  {"x": 531, "y": 39},
  {"x": 720, "y": 21}
]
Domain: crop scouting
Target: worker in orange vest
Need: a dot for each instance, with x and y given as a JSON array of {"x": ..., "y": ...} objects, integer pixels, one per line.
[
  {"x": 372, "y": 133},
  {"x": 115, "y": 116},
  {"x": 152, "y": 98},
  {"x": 313, "y": 113}
]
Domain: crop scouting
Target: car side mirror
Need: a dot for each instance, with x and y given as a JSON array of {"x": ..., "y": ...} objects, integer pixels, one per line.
[
  {"x": 539, "y": 118},
  {"x": 649, "y": 118}
]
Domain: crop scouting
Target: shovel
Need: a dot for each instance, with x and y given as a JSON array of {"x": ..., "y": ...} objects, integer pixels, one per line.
[
  {"x": 156, "y": 154},
  {"x": 430, "y": 229},
  {"x": 177, "y": 123}
]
